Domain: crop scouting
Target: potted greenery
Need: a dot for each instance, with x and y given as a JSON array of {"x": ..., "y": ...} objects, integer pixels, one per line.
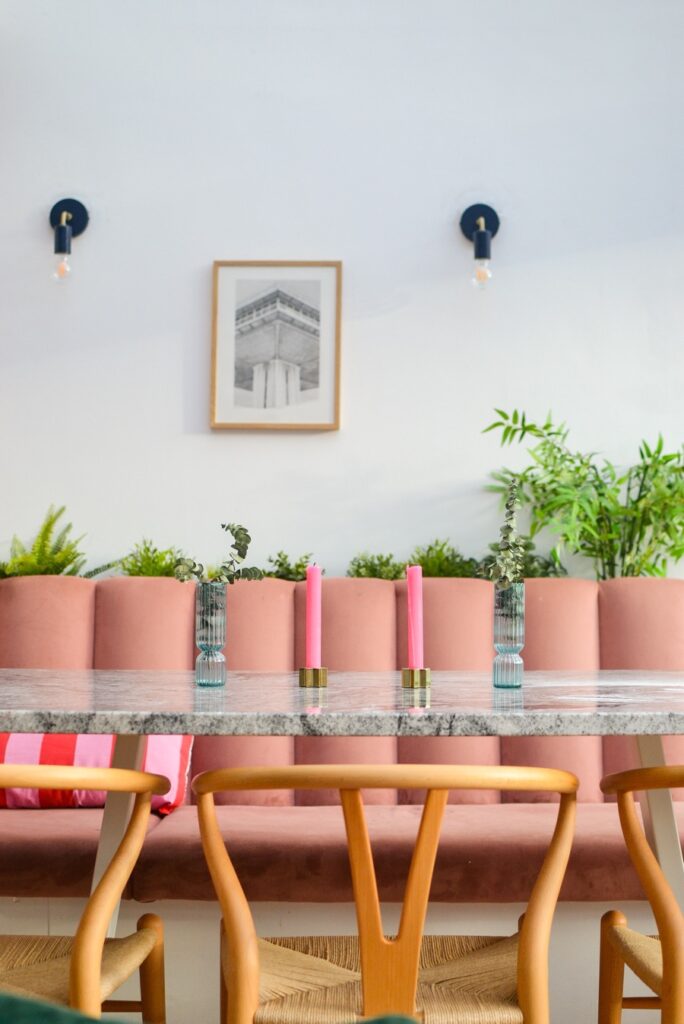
[
  {"x": 440, "y": 558},
  {"x": 629, "y": 522},
  {"x": 509, "y": 597},
  {"x": 146, "y": 559},
  {"x": 52, "y": 553},
  {"x": 210, "y": 605},
  {"x": 381, "y": 567},
  {"x": 282, "y": 568}
]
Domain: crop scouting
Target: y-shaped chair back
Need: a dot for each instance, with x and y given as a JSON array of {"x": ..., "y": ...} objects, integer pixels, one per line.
[{"x": 389, "y": 967}]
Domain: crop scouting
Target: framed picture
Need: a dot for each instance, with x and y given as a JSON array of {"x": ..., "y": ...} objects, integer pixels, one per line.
[{"x": 276, "y": 346}]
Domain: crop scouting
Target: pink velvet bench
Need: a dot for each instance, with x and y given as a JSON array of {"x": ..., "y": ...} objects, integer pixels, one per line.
[{"x": 286, "y": 849}]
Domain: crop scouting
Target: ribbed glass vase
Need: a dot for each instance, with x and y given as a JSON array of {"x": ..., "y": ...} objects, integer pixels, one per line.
[
  {"x": 210, "y": 634},
  {"x": 509, "y": 634}
]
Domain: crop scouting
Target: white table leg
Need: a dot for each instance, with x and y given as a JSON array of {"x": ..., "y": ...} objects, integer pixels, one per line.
[
  {"x": 659, "y": 819},
  {"x": 129, "y": 752}
]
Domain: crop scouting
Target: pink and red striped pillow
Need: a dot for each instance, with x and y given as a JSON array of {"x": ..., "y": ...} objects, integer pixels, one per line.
[{"x": 166, "y": 755}]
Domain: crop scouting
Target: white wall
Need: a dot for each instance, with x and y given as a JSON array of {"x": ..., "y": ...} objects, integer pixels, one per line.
[{"x": 320, "y": 129}]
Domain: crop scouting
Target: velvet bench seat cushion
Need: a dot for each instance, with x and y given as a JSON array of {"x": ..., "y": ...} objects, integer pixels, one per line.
[
  {"x": 487, "y": 854},
  {"x": 51, "y": 853}
]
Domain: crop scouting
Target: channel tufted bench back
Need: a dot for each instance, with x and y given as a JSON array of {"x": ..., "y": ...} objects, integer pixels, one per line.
[{"x": 63, "y": 622}]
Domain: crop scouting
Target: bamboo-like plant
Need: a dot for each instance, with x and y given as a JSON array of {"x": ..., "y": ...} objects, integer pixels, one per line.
[{"x": 628, "y": 522}]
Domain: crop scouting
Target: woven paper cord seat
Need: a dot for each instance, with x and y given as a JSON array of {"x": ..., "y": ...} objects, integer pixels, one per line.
[
  {"x": 38, "y": 965},
  {"x": 658, "y": 961},
  {"x": 317, "y": 980},
  {"x": 643, "y": 954},
  {"x": 438, "y": 979},
  {"x": 82, "y": 972}
]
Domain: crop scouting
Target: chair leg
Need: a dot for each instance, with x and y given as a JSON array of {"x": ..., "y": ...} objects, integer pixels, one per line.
[
  {"x": 223, "y": 990},
  {"x": 152, "y": 989},
  {"x": 611, "y": 973}
]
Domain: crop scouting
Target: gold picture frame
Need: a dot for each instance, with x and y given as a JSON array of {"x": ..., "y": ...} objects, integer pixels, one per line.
[{"x": 275, "y": 353}]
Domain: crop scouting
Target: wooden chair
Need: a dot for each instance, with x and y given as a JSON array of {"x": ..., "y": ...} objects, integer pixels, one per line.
[
  {"x": 83, "y": 972},
  {"x": 657, "y": 960},
  {"x": 332, "y": 980}
]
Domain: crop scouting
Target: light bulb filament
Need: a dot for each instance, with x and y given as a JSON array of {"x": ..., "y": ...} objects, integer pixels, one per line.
[
  {"x": 62, "y": 268},
  {"x": 481, "y": 273}
]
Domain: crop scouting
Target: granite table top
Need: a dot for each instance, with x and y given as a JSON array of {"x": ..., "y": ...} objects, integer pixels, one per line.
[{"x": 129, "y": 702}]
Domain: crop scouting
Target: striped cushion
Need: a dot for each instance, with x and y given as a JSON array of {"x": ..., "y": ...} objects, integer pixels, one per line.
[{"x": 166, "y": 755}]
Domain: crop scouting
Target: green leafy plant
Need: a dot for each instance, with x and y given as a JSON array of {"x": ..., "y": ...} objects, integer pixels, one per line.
[
  {"x": 283, "y": 569},
  {"x": 628, "y": 522},
  {"x": 535, "y": 565},
  {"x": 507, "y": 566},
  {"x": 440, "y": 558},
  {"x": 148, "y": 560},
  {"x": 381, "y": 567},
  {"x": 52, "y": 553},
  {"x": 231, "y": 569},
  {"x": 211, "y": 572}
]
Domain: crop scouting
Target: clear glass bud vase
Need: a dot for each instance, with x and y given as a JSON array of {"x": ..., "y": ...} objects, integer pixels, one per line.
[
  {"x": 210, "y": 634},
  {"x": 509, "y": 634}
]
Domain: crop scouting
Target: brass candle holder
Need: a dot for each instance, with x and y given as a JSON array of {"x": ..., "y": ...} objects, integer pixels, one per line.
[
  {"x": 313, "y": 678},
  {"x": 415, "y": 678}
]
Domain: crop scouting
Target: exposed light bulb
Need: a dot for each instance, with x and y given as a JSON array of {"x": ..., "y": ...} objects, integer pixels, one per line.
[
  {"x": 481, "y": 274},
  {"x": 62, "y": 267}
]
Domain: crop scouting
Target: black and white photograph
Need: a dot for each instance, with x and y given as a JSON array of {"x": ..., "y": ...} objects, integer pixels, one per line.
[{"x": 276, "y": 346}]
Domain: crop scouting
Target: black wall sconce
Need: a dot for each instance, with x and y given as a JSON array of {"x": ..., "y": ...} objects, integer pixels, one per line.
[
  {"x": 69, "y": 218},
  {"x": 479, "y": 224}
]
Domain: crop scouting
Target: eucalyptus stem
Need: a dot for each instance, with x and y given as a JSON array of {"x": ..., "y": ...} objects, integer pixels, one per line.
[
  {"x": 231, "y": 569},
  {"x": 507, "y": 567}
]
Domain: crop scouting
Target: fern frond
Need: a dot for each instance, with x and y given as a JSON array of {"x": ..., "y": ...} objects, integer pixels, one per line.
[
  {"x": 48, "y": 555},
  {"x": 41, "y": 544},
  {"x": 17, "y": 549},
  {"x": 61, "y": 539}
]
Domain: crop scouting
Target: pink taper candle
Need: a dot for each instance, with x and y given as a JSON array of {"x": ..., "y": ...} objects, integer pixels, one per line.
[
  {"x": 313, "y": 616},
  {"x": 414, "y": 590}
]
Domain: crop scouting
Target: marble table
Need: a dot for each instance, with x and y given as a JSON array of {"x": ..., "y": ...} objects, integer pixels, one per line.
[{"x": 134, "y": 704}]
